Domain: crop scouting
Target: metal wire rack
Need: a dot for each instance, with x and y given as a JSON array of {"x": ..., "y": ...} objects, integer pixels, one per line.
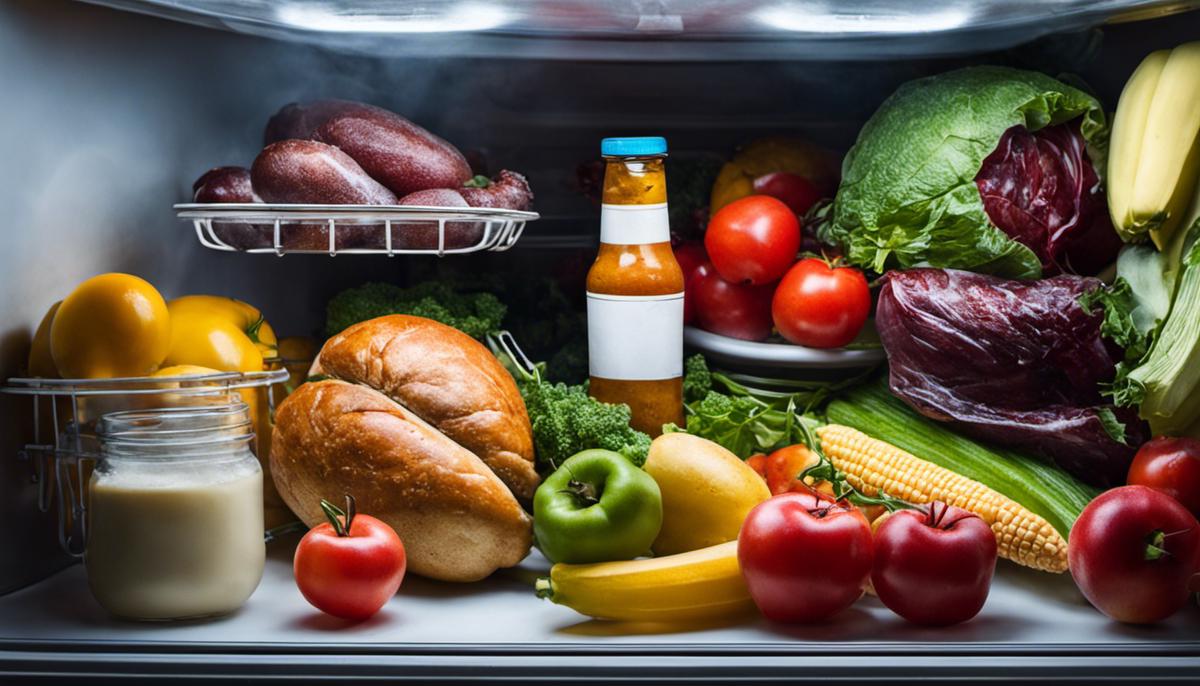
[
  {"x": 65, "y": 411},
  {"x": 353, "y": 229}
]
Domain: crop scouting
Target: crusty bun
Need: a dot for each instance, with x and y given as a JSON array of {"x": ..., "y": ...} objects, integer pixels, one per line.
[
  {"x": 448, "y": 379},
  {"x": 425, "y": 428}
]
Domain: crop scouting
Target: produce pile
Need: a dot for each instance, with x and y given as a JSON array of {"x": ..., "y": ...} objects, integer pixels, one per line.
[
  {"x": 1035, "y": 344},
  {"x": 1035, "y": 279}
]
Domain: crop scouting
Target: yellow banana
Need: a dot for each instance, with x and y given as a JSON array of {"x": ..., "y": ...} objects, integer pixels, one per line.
[
  {"x": 1171, "y": 126},
  {"x": 694, "y": 586},
  {"x": 1128, "y": 130}
]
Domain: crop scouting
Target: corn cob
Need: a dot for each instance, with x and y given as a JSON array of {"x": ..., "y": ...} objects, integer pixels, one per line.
[{"x": 871, "y": 465}]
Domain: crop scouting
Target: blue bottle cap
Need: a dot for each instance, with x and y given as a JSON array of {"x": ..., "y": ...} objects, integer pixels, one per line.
[{"x": 633, "y": 147}]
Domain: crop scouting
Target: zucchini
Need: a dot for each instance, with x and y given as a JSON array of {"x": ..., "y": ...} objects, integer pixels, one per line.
[{"x": 1040, "y": 486}]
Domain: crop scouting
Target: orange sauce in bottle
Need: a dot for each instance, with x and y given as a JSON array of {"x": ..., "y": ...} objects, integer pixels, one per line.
[{"x": 635, "y": 291}]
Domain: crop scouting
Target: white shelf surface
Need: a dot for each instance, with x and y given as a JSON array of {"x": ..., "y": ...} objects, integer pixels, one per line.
[{"x": 1027, "y": 611}]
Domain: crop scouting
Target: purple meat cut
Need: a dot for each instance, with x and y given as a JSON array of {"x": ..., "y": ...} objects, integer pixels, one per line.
[{"x": 1016, "y": 363}]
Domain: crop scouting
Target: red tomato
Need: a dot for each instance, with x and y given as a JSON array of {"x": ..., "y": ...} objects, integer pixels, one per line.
[
  {"x": 934, "y": 567},
  {"x": 691, "y": 257},
  {"x": 731, "y": 309},
  {"x": 784, "y": 467},
  {"x": 753, "y": 239},
  {"x": 349, "y": 573},
  {"x": 758, "y": 462},
  {"x": 797, "y": 192},
  {"x": 1170, "y": 465},
  {"x": 804, "y": 558},
  {"x": 1133, "y": 552},
  {"x": 821, "y": 306}
]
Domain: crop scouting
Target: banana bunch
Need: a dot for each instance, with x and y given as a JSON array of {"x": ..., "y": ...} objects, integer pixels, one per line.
[
  {"x": 700, "y": 585},
  {"x": 1154, "y": 158}
]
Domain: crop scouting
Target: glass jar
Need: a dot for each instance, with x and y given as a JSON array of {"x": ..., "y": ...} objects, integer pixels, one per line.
[{"x": 175, "y": 521}]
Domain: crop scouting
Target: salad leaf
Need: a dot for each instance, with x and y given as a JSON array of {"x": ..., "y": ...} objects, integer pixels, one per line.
[
  {"x": 1166, "y": 384},
  {"x": 911, "y": 192}
]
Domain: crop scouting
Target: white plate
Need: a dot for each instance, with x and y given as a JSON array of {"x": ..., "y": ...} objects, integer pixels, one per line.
[{"x": 753, "y": 354}]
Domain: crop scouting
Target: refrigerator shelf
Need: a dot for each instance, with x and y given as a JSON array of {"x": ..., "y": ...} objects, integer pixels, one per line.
[
  {"x": 280, "y": 229},
  {"x": 64, "y": 413},
  {"x": 1034, "y": 626},
  {"x": 670, "y": 30}
]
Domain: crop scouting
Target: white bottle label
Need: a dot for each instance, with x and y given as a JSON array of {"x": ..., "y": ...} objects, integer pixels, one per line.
[
  {"x": 635, "y": 337},
  {"x": 634, "y": 224}
]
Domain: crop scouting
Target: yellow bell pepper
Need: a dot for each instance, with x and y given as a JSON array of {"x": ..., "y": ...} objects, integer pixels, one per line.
[
  {"x": 41, "y": 361},
  {"x": 111, "y": 325},
  {"x": 767, "y": 155},
  {"x": 219, "y": 333}
]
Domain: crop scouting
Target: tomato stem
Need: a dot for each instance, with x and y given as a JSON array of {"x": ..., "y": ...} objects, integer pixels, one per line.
[{"x": 338, "y": 519}]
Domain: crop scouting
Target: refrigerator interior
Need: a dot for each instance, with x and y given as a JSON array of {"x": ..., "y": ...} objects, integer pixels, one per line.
[{"x": 110, "y": 116}]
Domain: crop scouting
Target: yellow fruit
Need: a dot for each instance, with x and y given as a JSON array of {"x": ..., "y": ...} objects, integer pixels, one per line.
[
  {"x": 1154, "y": 160},
  {"x": 767, "y": 155},
  {"x": 1128, "y": 131},
  {"x": 699, "y": 585},
  {"x": 706, "y": 492},
  {"x": 41, "y": 362},
  {"x": 111, "y": 325},
  {"x": 219, "y": 333}
]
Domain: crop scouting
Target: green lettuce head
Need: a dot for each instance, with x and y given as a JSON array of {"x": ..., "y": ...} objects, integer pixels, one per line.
[{"x": 987, "y": 169}]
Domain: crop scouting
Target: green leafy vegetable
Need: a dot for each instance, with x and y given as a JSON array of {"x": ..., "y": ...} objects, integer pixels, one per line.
[
  {"x": 564, "y": 418},
  {"x": 748, "y": 420},
  {"x": 1166, "y": 384},
  {"x": 908, "y": 195},
  {"x": 475, "y": 314}
]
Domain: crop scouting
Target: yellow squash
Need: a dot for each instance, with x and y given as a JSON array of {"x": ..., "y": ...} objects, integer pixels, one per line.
[
  {"x": 111, "y": 325},
  {"x": 706, "y": 492},
  {"x": 219, "y": 333}
]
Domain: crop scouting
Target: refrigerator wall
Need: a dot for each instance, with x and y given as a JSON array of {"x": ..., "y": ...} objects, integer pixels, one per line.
[{"x": 109, "y": 117}]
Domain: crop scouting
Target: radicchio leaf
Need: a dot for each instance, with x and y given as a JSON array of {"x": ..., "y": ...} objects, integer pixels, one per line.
[
  {"x": 1016, "y": 363},
  {"x": 1041, "y": 189}
]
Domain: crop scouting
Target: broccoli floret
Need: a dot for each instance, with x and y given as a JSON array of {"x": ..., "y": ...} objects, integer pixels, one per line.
[
  {"x": 475, "y": 314},
  {"x": 697, "y": 380},
  {"x": 567, "y": 420}
]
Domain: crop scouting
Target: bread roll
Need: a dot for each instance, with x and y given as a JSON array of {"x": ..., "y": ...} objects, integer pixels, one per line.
[
  {"x": 448, "y": 379},
  {"x": 425, "y": 428},
  {"x": 457, "y": 519}
]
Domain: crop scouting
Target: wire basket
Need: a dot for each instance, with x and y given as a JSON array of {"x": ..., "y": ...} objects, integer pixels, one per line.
[
  {"x": 353, "y": 229},
  {"x": 65, "y": 411}
]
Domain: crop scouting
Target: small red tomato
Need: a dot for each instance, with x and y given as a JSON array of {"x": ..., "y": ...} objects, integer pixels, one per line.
[
  {"x": 934, "y": 567},
  {"x": 758, "y": 462},
  {"x": 731, "y": 309},
  {"x": 1170, "y": 465},
  {"x": 784, "y": 467},
  {"x": 797, "y": 192},
  {"x": 350, "y": 565},
  {"x": 820, "y": 305},
  {"x": 804, "y": 558},
  {"x": 1133, "y": 552},
  {"x": 691, "y": 257},
  {"x": 753, "y": 240}
]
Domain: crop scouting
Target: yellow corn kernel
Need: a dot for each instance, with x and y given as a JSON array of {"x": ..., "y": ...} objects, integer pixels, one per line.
[{"x": 871, "y": 465}]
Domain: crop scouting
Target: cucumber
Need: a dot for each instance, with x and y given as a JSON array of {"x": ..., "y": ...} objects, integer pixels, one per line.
[{"x": 1040, "y": 486}]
